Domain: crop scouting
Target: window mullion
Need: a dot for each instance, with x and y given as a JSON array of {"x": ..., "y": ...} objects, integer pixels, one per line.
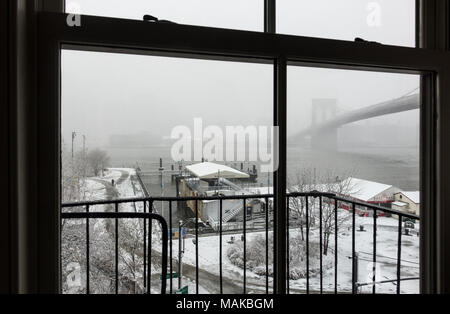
[
  {"x": 280, "y": 117},
  {"x": 269, "y": 16},
  {"x": 433, "y": 24}
]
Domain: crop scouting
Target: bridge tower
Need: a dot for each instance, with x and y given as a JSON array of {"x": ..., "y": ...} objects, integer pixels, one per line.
[{"x": 323, "y": 110}]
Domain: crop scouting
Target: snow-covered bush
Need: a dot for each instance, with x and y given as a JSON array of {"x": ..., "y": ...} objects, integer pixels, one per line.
[
  {"x": 256, "y": 257},
  {"x": 235, "y": 254}
]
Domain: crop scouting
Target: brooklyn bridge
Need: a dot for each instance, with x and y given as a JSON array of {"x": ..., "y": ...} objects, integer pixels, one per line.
[{"x": 325, "y": 120}]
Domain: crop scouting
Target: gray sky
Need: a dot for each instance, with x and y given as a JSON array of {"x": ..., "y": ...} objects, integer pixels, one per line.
[
  {"x": 347, "y": 19},
  {"x": 239, "y": 14},
  {"x": 104, "y": 94}
]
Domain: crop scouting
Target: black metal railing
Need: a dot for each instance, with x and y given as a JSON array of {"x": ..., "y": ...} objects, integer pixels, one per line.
[
  {"x": 149, "y": 214},
  {"x": 87, "y": 215},
  {"x": 375, "y": 209}
]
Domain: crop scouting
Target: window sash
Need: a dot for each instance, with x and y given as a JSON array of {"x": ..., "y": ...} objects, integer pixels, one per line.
[{"x": 126, "y": 36}]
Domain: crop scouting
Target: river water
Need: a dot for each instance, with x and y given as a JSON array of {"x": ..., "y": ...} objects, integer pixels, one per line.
[{"x": 398, "y": 166}]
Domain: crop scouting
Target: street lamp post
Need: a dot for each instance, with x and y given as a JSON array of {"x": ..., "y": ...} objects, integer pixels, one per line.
[
  {"x": 74, "y": 134},
  {"x": 84, "y": 156}
]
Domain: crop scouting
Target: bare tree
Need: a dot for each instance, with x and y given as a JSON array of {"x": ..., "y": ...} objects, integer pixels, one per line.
[
  {"x": 131, "y": 254},
  {"x": 331, "y": 221},
  {"x": 307, "y": 180},
  {"x": 97, "y": 160},
  {"x": 71, "y": 183},
  {"x": 301, "y": 182}
]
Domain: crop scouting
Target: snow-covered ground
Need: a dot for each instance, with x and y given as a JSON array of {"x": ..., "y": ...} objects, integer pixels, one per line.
[
  {"x": 96, "y": 188},
  {"x": 386, "y": 253},
  {"x": 386, "y": 267},
  {"x": 126, "y": 187},
  {"x": 209, "y": 259},
  {"x": 93, "y": 190}
]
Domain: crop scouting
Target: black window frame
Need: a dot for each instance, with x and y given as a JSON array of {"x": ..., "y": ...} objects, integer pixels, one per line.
[{"x": 130, "y": 36}]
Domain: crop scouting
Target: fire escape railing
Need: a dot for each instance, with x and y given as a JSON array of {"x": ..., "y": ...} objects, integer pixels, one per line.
[
  {"x": 87, "y": 215},
  {"x": 167, "y": 238}
]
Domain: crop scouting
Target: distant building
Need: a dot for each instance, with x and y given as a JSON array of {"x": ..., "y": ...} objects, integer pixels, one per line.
[
  {"x": 408, "y": 202},
  {"x": 209, "y": 179},
  {"x": 142, "y": 139},
  {"x": 369, "y": 192}
]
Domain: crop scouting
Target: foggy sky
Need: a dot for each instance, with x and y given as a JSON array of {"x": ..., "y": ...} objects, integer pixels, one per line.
[{"x": 105, "y": 94}]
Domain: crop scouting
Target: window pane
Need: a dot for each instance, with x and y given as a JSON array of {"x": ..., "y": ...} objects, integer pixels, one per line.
[
  {"x": 120, "y": 114},
  {"x": 354, "y": 134},
  {"x": 234, "y": 14},
  {"x": 390, "y": 22}
]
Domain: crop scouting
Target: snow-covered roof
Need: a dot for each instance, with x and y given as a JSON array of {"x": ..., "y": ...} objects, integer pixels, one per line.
[
  {"x": 365, "y": 190},
  {"x": 413, "y": 196},
  {"x": 399, "y": 204},
  {"x": 209, "y": 170}
]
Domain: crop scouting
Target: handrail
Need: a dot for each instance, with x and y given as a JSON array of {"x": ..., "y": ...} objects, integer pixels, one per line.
[
  {"x": 132, "y": 215},
  {"x": 334, "y": 201},
  {"x": 314, "y": 194}
]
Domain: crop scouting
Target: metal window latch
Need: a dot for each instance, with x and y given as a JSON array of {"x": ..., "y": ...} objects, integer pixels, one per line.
[
  {"x": 151, "y": 18},
  {"x": 361, "y": 40}
]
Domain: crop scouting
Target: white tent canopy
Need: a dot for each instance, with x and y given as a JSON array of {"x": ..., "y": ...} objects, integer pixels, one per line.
[{"x": 209, "y": 170}]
